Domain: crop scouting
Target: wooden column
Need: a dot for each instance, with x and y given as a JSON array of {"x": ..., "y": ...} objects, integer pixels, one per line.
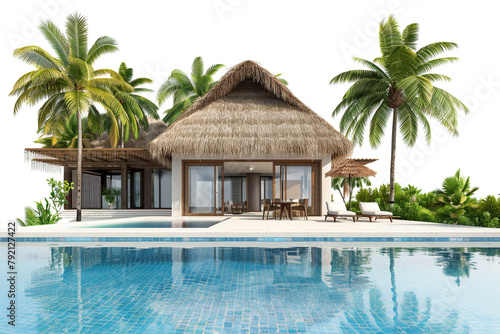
[
  {"x": 147, "y": 188},
  {"x": 124, "y": 181}
]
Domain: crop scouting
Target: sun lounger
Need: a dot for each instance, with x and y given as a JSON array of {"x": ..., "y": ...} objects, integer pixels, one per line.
[
  {"x": 338, "y": 209},
  {"x": 372, "y": 210}
]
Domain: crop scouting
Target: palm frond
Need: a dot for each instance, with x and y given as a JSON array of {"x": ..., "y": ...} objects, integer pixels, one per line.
[
  {"x": 56, "y": 39},
  {"x": 76, "y": 31},
  {"x": 101, "y": 46},
  {"x": 111, "y": 83},
  {"x": 143, "y": 90},
  {"x": 104, "y": 71},
  {"x": 77, "y": 101},
  {"x": 400, "y": 62},
  {"x": 36, "y": 56},
  {"x": 431, "y": 64},
  {"x": 107, "y": 100},
  {"x": 378, "y": 124},
  {"x": 410, "y": 36},
  {"x": 389, "y": 35},
  {"x": 408, "y": 124},
  {"x": 426, "y": 125},
  {"x": 197, "y": 69},
  {"x": 212, "y": 70},
  {"x": 418, "y": 90},
  {"x": 140, "y": 81},
  {"x": 148, "y": 106},
  {"x": 432, "y": 50},
  {"x": 433, "y": 77},
  {"x": 372, "y": 66}
]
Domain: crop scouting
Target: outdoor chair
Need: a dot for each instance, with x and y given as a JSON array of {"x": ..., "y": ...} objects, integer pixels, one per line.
[
  {"x": 229, "y": 206},
  {"x": 239, "y": 207},
  {"x": 268, "y": 207},
  {"x": 301, "y": 209},
  {"x": 372, "y": 210},
  {"x": 338, "y": 209}
]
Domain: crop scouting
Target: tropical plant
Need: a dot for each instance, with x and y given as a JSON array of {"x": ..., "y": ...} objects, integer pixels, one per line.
[
  {"x": 490, "y": 204},
  {"x": 110, "y": 195},
  {"x": 412, "y": 191},
  {"x": 454, "y": 198},
  {"x": 48, "y": 211},
  {"x": 397, "y": 84},
  {"x": 68, "y": 84},
  {"x": 341, "y": 184},
  {"x": 138, "y": 108},
  {"x": 67, "y": 135},
  {"x": 184, "y": 89}
]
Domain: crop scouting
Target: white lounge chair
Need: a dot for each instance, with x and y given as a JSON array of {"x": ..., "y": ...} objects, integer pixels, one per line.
[
  {"x": 372, "y": 210},
  {"x": 338, "y": 209}
]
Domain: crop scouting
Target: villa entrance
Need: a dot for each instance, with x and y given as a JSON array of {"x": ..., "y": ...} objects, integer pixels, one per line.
[{"x": 214, "y": 187}]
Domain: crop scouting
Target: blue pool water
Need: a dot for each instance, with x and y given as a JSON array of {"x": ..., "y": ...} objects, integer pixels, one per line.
[
  {"x": 255, "y": 290},
  {"x": 157, "y": 224}
]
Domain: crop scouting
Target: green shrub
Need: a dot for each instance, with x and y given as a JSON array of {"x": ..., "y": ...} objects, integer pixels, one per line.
[{"x": 48, "y": 212}]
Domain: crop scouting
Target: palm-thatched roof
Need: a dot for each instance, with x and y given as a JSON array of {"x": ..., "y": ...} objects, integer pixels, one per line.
[
  {"x": 250, "y": 114},
  {"x": 156, "y": 127},
  {"x": 352, "y": 168}
]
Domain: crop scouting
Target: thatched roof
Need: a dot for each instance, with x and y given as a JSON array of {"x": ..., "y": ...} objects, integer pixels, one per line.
[
  {"x": 91, "y": 157},
  {"x": 249, "y": 114},
  {"x": 352, "y": 168},
  {"x": 156, "y": 127}
]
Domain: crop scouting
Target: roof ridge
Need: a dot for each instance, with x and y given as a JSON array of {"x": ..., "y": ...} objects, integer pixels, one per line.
[{"x": 245, "y": 70}]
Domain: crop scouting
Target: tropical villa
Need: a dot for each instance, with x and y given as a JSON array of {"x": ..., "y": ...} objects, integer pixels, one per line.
[{"x": 246, "y": 140}]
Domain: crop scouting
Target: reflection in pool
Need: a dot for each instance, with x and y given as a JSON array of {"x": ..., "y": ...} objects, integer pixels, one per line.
[
  {"x": 327, "y": 290},
  {"x": 155, "y": 224}
]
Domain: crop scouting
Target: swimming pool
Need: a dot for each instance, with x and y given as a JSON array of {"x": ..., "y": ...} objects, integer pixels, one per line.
[
  {"x": 151, "y": 224},
  {"x": 234, "y": 290}
]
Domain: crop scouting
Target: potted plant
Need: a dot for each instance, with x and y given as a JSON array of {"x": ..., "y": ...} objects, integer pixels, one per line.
[{"x": 110, "y": 196}]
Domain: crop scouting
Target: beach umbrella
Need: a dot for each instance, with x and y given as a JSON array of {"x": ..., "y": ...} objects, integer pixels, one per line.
[{"x": 352, "y": 168}]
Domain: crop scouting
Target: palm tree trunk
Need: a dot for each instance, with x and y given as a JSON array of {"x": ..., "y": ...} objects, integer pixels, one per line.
[
  {"x": 393, "y": 155},
  {"x": 122, "y": 141},
  {"x": 79, "y": 169}
]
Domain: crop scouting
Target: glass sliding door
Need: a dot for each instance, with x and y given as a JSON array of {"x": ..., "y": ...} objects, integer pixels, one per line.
[
  {"x": 134, "y": 196},
  {"x": 293, "y": 181},
  {"x": 161, "y": 188},
  {"x": 203, "y": 189},
  {"x": 298, "y": 183}
]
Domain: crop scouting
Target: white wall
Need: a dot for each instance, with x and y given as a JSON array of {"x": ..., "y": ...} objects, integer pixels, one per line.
[
  {"x": 176, "y": 186},
  {"x": 326, "y": 189}
]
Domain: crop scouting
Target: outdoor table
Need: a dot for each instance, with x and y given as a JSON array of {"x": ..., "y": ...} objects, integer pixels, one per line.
[{"x": 286, "y": 206}]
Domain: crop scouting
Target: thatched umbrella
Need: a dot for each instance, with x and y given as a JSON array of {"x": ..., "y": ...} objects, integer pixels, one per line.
[
  {"x": 250, "y": 114},
  {"x": 352, "y": 168}
]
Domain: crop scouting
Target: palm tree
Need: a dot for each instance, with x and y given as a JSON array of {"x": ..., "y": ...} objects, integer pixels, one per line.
[
  {"x": 341, "y": 185},
  {"x": 68, "y": 83},
  {"x": 138, "y": 108},
  {"x": 412, "y": 191},
  {"x": 454, "y": 198},
  {"x": 398, "y": 84},
  {"x": 185, "y": 90},
  {"x": 66, "y": 136}
]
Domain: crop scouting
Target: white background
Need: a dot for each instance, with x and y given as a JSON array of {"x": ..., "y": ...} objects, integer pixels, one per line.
[{"x": 309, "y": 42}]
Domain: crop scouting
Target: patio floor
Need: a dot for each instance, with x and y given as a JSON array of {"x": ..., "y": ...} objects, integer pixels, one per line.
[{"x": 252, "y": 225}]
